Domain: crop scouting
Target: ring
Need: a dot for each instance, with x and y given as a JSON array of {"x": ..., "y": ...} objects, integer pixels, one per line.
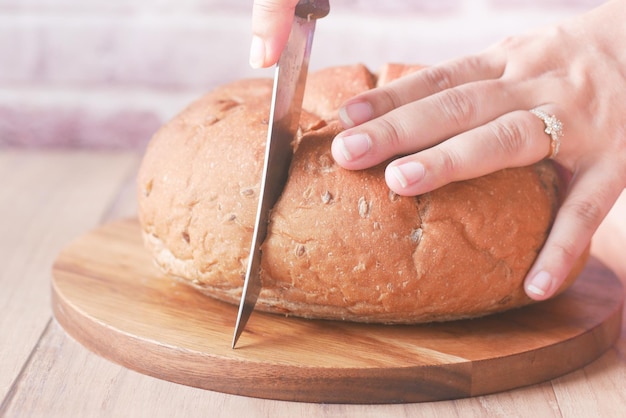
[{"x": 554, "y": 128}]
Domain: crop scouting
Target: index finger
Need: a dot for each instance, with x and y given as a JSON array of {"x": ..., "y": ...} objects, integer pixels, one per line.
[
  {"x": 426, "y": 82},
  {"x": 271, "y": 24}
]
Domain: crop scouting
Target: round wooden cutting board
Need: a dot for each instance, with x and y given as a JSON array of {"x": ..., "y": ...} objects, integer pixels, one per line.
[{"x": 108, "y": 295}]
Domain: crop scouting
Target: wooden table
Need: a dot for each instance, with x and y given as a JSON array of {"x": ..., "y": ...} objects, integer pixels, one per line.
[{"x": 49, "y": 198}]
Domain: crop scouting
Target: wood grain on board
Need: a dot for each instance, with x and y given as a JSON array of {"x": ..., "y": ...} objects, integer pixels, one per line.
[{"x": 110, "y": 297}]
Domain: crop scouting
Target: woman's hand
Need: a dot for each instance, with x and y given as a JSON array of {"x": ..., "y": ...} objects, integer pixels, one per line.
[{"x": 471, "y": 117}]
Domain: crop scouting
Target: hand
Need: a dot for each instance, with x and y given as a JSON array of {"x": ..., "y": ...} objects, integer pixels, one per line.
[
  {"x": 470, "y": 117},
  {"x": 271, "y": 24}
]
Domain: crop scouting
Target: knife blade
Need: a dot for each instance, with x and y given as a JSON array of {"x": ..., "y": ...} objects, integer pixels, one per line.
[{"x": 289, "y": 80}]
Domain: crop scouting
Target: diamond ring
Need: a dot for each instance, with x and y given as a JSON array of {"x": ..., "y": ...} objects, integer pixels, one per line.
[{"x": 554, "y": 128}]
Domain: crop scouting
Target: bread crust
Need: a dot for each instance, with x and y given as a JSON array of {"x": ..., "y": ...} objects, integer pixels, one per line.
[{"x": 340, "y": 245}]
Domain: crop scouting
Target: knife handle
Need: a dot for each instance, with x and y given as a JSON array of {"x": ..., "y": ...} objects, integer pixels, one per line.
[{"x": 312, "y": 9}]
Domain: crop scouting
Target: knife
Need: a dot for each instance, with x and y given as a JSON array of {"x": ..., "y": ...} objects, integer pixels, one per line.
[{"x": 289, "y": 81}]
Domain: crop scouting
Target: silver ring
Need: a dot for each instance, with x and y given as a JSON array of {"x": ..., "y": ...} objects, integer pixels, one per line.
[{"x": 554, "y": 128}]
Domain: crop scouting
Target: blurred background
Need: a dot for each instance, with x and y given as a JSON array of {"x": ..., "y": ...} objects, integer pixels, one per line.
[{"x": 105, "y": 74}]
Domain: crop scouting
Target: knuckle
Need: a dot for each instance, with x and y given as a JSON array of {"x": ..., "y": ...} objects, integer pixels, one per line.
[
  {"x": 438, "y": 78},
  {"x": 588, "y": 213},
  {"x": 449, "y": 164},
  {"x": 478, "y": 63},
  {"x": 565, "y": 250},
  {"x": 265, "y": 7},
  {"x": 391, "y": 133},
  {"x": 510, "y": 136},
  {"x": 458, "y": 107},
  {"x": 390, "y": 97},
  {"x": 510, "y": 41},
  {"x": 273, "y": 7}
]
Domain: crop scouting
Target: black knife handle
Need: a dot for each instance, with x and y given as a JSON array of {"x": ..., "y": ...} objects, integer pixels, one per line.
[{"x": 312, "y": 9}]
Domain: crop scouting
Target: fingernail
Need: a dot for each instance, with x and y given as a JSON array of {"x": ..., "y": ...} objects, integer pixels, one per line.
[
  {"x": 355, "y": 113},
  {"x": 354, "y": 146},
  {"x": 540, "y": 284},
  {"x": 257, "y": 52},
  {"x": 408, "y": 173}
]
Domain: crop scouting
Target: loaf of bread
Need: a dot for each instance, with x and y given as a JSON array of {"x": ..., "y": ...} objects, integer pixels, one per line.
[{"x": 340, "y": 245}]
